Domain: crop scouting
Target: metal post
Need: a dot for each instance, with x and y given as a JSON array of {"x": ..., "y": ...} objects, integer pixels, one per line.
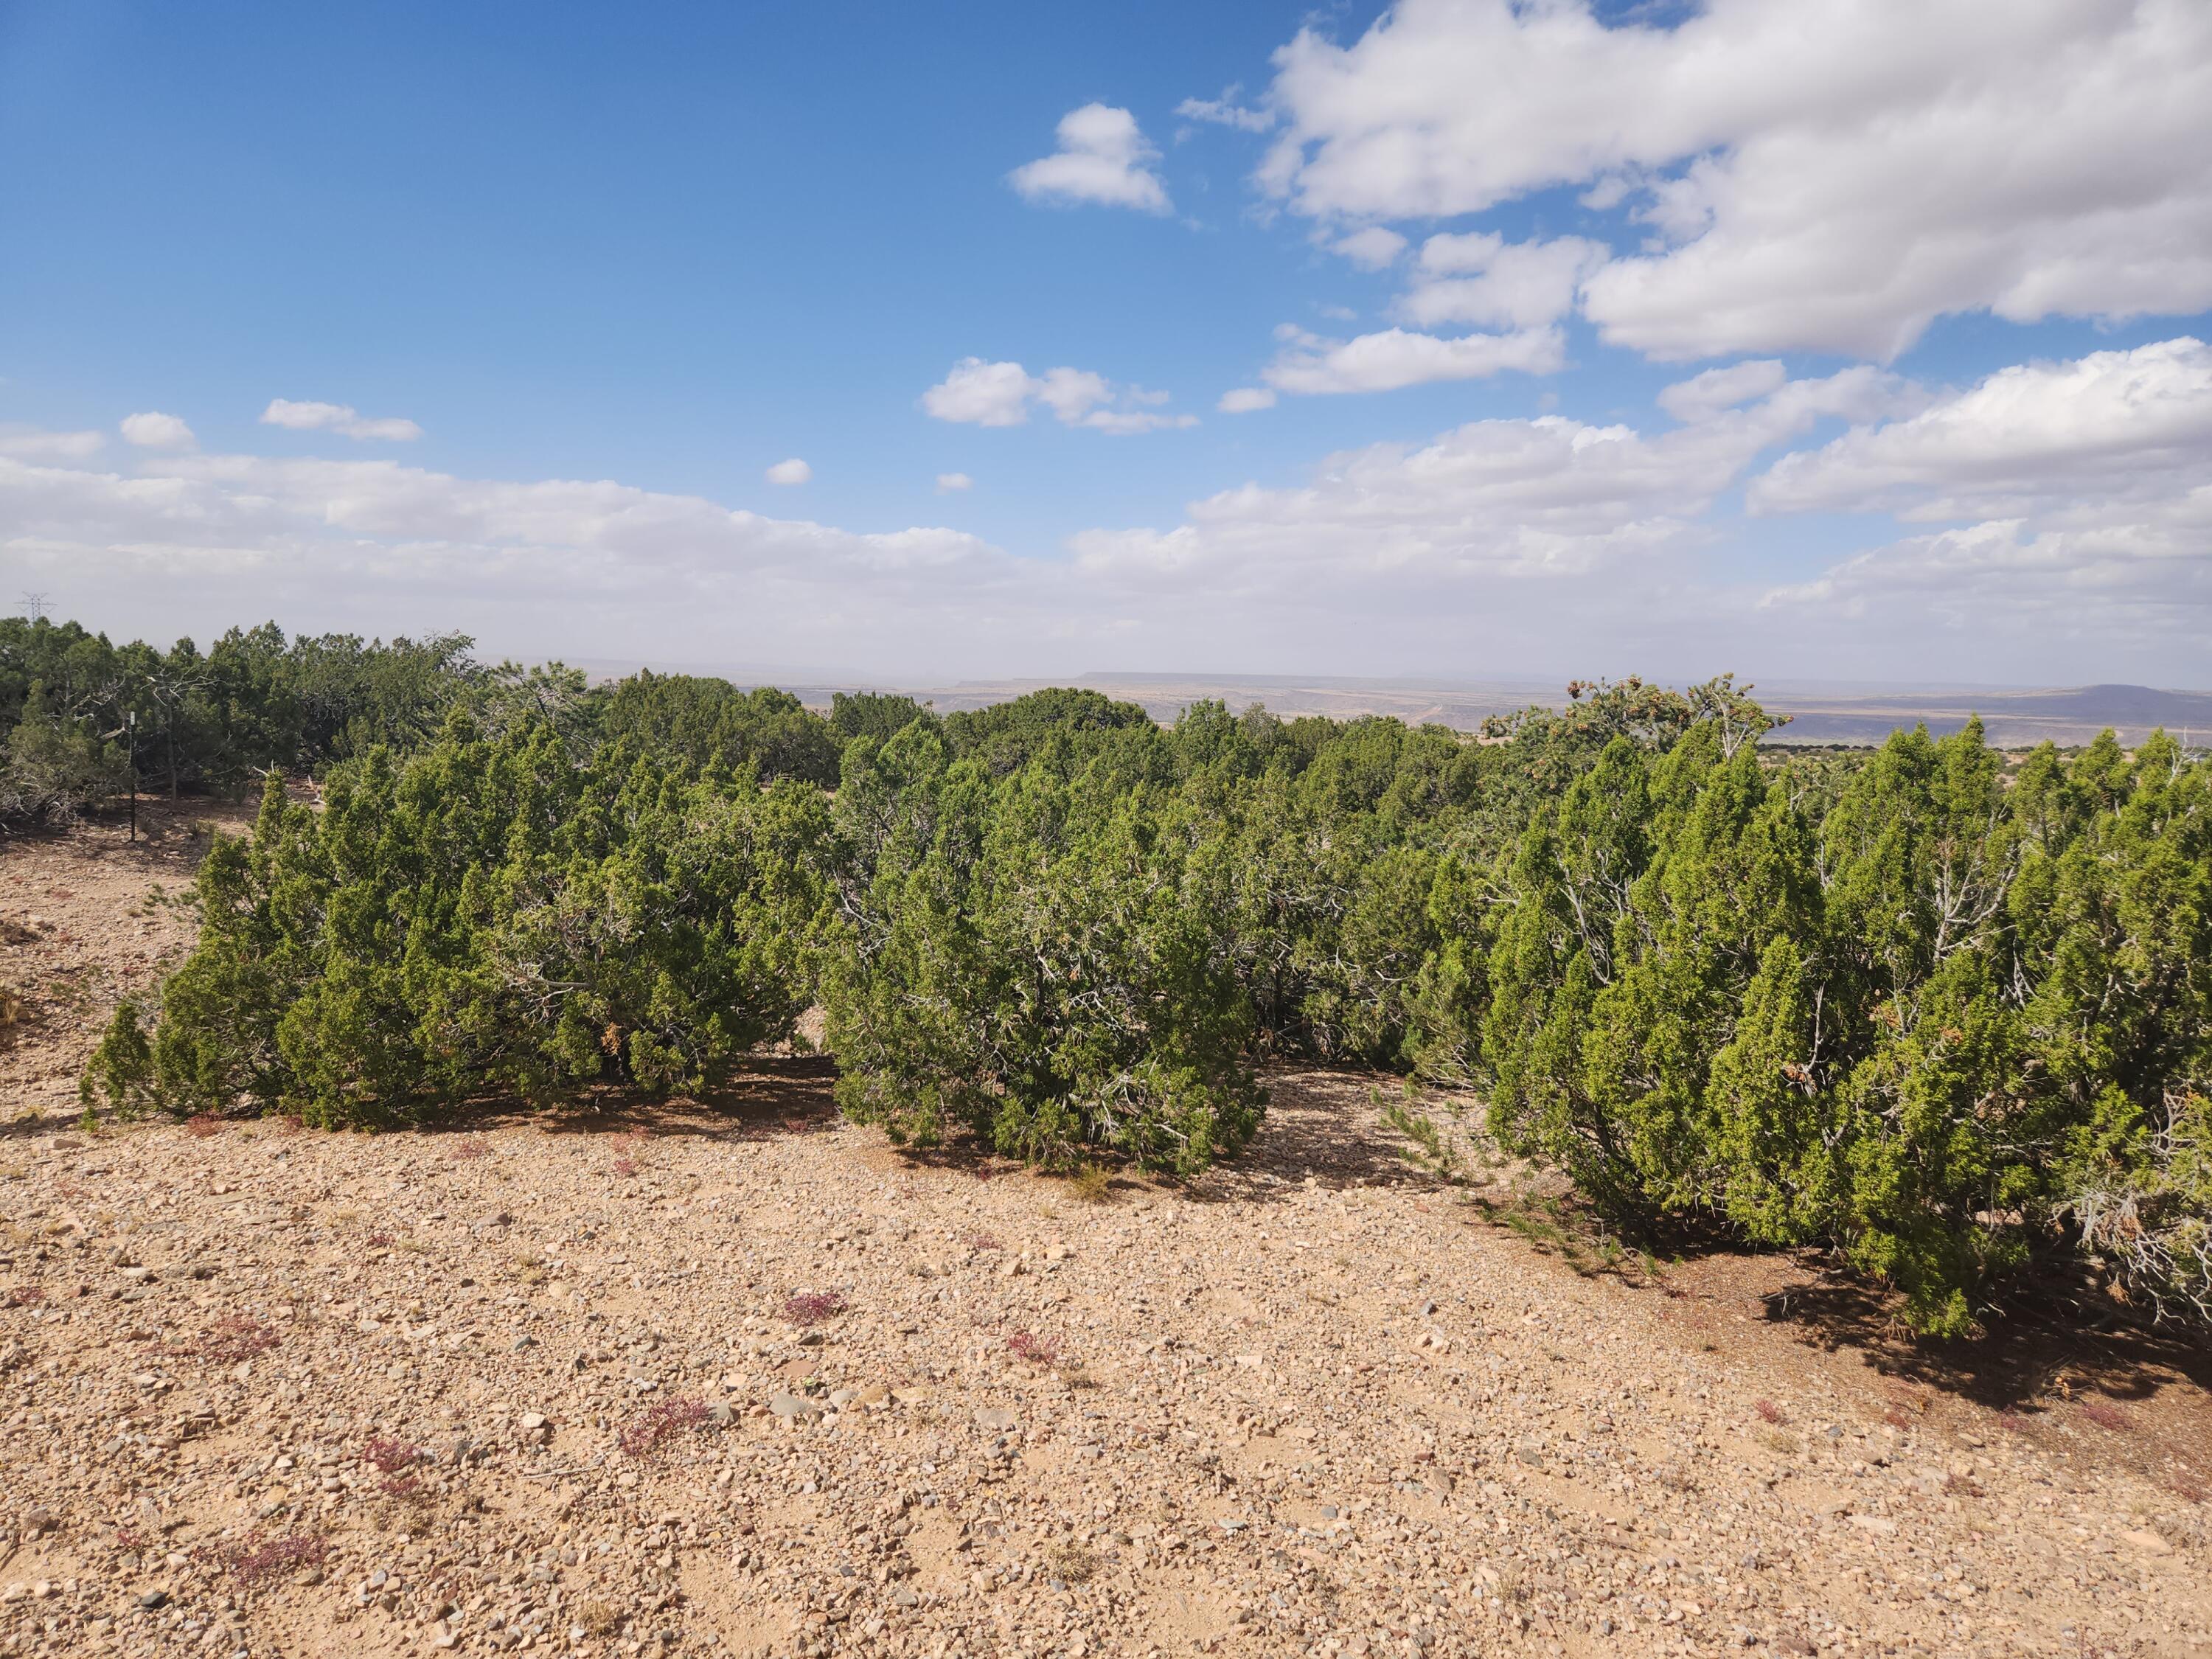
[{"x": 131, "y": 725}]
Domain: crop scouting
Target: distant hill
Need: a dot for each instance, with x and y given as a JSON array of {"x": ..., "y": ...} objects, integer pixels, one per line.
[{"x": 2013, "y": 719}]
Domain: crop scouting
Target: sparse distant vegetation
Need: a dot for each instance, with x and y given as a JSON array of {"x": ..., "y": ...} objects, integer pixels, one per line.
[
  {"x": 75, "y": 710},
  {"x": 1946, "y": 1014}
]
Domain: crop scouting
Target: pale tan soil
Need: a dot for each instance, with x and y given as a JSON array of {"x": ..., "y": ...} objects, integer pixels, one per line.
[
  {"x": 1252, "y": 1441},
  {"x": 86, "y": 918}
]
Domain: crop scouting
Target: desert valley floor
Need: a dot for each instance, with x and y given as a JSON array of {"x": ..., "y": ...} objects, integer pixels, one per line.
[{"x": 731, "y": 1376}]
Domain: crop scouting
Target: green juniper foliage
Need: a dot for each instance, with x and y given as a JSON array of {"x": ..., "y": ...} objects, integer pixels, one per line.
[
  {"x": 1043, "y": 956},
  {"x": 1944, "y": 1012},
  {"x": 486, "y": 916},
  {"x": 1932, "y": 1020}
]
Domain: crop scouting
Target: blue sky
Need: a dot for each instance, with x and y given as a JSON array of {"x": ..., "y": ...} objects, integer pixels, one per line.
[{"x": 662, "y": 249}]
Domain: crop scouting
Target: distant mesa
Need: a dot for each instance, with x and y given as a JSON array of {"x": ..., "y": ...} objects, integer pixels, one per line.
[{"x": 2013, "y": 719}]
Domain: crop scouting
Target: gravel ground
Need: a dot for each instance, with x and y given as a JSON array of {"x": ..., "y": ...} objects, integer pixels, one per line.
[{"x": 734, "y": 1376}]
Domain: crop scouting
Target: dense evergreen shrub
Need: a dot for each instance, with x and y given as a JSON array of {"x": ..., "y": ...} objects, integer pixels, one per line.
[
  {"x": 1041, "y": 957},
  {"x": 52, "y": 767},
  {"x": 879, "y": 715},
  {"x": 1938, "y": 1022},
  {"x": 710, "y": 723},
  {"x": 485, "y": 917}
]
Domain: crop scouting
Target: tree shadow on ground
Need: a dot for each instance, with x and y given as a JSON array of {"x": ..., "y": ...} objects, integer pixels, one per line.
[
  {"x": 772, "y": 1094},
  {"x": 1321, "y": 1127},
  {"x": 2060, "y": 1343},
  {"x": 1318, "y": 1127}
]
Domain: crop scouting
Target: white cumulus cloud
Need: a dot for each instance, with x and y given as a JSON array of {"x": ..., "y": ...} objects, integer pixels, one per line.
[
  {"x": 1828, "y": 175},
  {"x": 2112, "y": 426},
  {"x": 341, "y": 418},
  {"x": 982, "y": 393},
  {"x": 948, "y": 483},
  {"x": 152, "y": 430},
  {"x": 2137, "y": 588},
  {"x": 1244, "y": 399},
  {"x": 1103, "y": 157},
  {"x": 793, "y": 471}
]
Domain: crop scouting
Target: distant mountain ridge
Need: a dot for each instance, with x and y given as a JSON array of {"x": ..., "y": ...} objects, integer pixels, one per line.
[{"x": 2012, "y": 719}]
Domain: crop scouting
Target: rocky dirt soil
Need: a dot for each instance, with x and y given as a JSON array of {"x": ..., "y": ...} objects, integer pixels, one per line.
[{"x": 729, "y": 1376}]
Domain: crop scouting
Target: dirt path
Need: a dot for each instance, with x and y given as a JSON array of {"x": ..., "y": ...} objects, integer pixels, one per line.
[{"x": 541, "y": 1383}]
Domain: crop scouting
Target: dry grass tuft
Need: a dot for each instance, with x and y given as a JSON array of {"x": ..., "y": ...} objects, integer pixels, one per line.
[
  {"x": 201, "y": 1125},
  {"x": 2106, "y": 1415},
  {"x": 1034, "y": 1349},
  {"x": 1071, "y": 1562},
  {"x": 1768, "y": 1411},
  {"x": 1092, "y": 1184}
]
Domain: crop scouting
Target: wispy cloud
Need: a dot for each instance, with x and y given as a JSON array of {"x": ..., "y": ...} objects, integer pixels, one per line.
[
  {"x": 1226, "y": 111},
  {"x": 341, "y": 418},
  {"x": 1397, "y": 357},
  {"x": 981, "y": 393}
]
